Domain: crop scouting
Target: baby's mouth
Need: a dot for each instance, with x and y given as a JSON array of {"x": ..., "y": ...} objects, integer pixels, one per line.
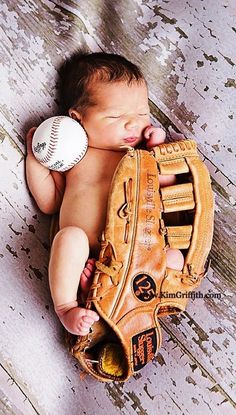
[{"x": 130, "y": 140}]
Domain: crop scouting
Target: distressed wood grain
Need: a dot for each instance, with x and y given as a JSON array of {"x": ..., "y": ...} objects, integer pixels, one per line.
[
  {"x": 12, "y": 398},
  {"x": 186, "y": 49},
  {"x": 194, "y": 371},
  {"x": 26, "y": 252}
]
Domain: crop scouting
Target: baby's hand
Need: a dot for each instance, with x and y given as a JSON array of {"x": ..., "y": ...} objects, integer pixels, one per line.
[
  {"x": 29, "y": 137},
  {"x": 31, "y": 160},
  {"x": 154, "y": 136},
  {"x": 30, "y": 154}
]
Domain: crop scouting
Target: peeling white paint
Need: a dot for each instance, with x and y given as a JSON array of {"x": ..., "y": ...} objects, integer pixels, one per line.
[
  {"x": 30, "y": 7},
  {"x": 232, "y": 200},
  {"x": 9, "y": 20},
  {"x": 198, "y": 346},
  {"x": 165, "y": 53},
  {"x": 147, "y": 14},
  {"x": 144, "y": 47},
  {"x": 200, "y": 88}
]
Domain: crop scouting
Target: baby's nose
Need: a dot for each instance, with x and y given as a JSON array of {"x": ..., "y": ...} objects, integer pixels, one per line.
[{"x": 131, "y": 123}]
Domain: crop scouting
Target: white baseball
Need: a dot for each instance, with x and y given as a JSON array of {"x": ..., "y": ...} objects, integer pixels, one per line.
[{"x": 59, "y": 143}]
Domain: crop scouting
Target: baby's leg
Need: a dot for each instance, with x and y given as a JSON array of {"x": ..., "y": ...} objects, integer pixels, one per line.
[
  {"x": 69, "y": 253},
  {"x": 174, "y": 259},
  {"x": 87, "y": 277}
]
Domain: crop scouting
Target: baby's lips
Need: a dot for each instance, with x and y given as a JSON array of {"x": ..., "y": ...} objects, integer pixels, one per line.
[{"x": 130, "y": 140}]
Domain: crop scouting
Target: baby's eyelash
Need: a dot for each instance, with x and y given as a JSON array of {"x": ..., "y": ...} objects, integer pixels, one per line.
[{"x": 119, "y": 116}]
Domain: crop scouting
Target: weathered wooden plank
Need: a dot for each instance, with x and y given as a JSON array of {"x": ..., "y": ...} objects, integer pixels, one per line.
[
  {"x": 185, "y": 363},
  {"x": 12, "y": 400},
  {"x": 208, "y": 331},
  {"x": 223, "y": 252},
  {"x": 134, "y": 26},
  {"x": 46, "y": 54},
  {"x": 39, "y": 36},
  {"x": 186, "y": 49},
  {"x": 194, "y": 370},
  {"x": 42, "y": 346}
]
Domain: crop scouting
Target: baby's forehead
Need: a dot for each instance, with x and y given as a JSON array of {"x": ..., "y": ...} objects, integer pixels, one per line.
[
  {"x": 105, "y": 90},
  {"x": 95, "y": 84},
  {"x": 120, "y": 96}
]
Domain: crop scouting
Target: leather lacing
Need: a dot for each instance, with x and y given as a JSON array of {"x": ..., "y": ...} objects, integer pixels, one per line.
[
  {"x": 176, "y": 146},
  {"x": 163, "y": 232},
  {"x": 125, "y": 212},
  {"x": 192, "y": 277},
  {"x": 111, "y": 271}
]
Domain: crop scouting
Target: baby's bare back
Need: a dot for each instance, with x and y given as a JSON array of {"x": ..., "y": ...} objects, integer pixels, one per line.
[{"x": 87, "y": 187}]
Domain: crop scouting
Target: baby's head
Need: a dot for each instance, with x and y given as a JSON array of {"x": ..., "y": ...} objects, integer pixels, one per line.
[
  {"x": 83, "y": 72},
  {"x": 108, "y": 95}
]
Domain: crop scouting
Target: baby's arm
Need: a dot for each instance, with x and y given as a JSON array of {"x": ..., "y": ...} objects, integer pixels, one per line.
[
  {"x": 46, "y": 186},
  {"x": 155, "y": 136}
]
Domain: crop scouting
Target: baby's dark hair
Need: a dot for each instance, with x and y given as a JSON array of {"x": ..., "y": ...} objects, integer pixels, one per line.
[{"x": 82, "y": 69}]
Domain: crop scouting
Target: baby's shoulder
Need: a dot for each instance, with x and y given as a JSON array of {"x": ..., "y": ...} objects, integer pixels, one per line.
[{"x": 96, "y": 166}]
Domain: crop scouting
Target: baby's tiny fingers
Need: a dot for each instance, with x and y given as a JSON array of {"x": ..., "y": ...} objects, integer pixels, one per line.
[
  {"x": 91, "y": 261},
  {"x": 29, "y": 137},
  {"x": 86, "y": 272},
  {"x": 161, "y": 134},
  {"x": 30, "y": 133},
  {"x": 148, "y": 131},
  {"x": 89, "y": 267}
]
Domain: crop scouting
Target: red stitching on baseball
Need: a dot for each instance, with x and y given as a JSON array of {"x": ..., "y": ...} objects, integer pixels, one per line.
[{"x": 54, "y": 137}]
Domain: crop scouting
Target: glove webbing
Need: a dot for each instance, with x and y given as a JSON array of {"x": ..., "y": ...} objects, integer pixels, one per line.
[{"x": 181, "y": 158}]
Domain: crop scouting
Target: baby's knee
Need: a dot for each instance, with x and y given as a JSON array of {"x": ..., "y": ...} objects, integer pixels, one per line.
[
  {"x": 174, "y": 259},
  {"x": 71, "y": 236}
]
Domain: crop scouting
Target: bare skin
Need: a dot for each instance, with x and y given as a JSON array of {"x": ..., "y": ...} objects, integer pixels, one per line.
[{"x": 120, "y": 117}]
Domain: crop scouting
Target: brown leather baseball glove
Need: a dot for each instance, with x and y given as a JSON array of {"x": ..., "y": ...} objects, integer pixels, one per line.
[{"x": 132, "y": 287}]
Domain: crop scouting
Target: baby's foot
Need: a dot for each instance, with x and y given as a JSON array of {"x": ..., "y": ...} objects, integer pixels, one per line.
[
  {"x": 86, "y": 277},
  {"x": 76, "y": 320}
]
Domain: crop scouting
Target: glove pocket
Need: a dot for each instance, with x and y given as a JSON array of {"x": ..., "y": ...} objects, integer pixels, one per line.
[{"x": 138, "y": 338}]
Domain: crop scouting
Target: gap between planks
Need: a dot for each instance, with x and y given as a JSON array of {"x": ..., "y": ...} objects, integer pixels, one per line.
[{"x": 198, "y": 363}]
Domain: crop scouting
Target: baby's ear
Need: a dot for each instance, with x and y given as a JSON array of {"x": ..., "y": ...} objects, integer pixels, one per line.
[{"x": 73, "y": 113}]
